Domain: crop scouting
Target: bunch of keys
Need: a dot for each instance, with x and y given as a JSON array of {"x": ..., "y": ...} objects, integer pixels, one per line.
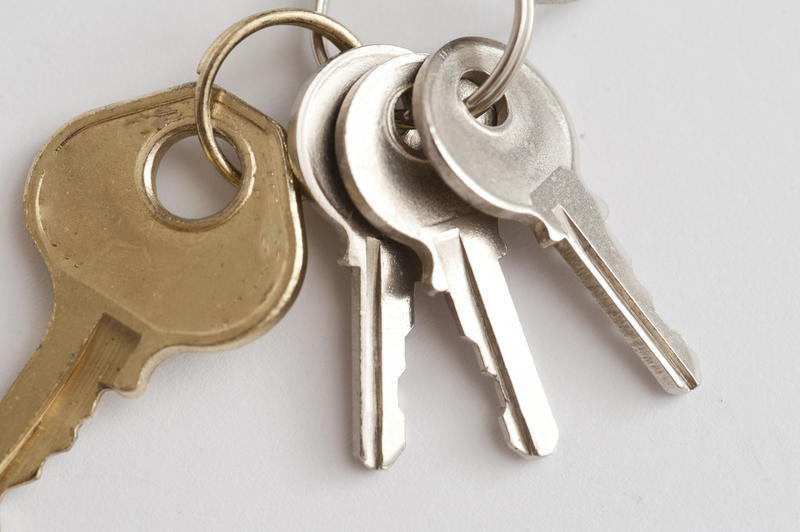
[
  {"x": 489, "y": 139},
  {"x": 415, "y": 194}
]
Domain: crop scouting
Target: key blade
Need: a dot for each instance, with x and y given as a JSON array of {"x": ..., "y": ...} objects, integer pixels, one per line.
[
  {"x": 383, "y": 292},
  {"x": 481, "y": 301},
  {"x": 58, "y": 389},
  {"x": 575, "y": 224}
]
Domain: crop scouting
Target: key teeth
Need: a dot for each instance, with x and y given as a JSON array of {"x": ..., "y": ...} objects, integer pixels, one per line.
[
  {"x": 513, "y": 436},
  {"x": 31, "y": 477},
  {"x": 62, "y": 442},
  {"x": 517, "y": 443},
  {"x": 383, "y": 298},
  {"x": 511, "y": 429},
  {"x": 689, "y": 378},
  {"x": 578, "y": 230}
]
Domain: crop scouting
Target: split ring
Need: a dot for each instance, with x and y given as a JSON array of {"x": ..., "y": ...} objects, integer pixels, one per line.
[
  {"x": 319, "y": 23},
  {"x": 495, "y": 86},
  {"x": 320, "y": 6}
]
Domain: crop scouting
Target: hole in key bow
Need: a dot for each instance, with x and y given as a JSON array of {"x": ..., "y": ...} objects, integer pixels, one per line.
[
  {"x": 497, "y": 114},
  {"x": 405, "y": 132},
  {"x": 407, "y": 135},
  {"x": 187, "y": 186}
]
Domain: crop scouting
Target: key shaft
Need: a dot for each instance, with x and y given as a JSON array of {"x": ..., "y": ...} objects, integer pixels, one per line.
[
  {"x": 383, "y": 272},
  {"x": 382, "y": 318},
  {"x": 573, "y": 222},
  {"x": 534, "y": 145},
  {"x": 485, "y": 311},
  {"x": 79, "y": 358}
]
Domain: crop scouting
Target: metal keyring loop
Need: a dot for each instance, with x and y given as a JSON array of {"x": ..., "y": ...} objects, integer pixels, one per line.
[
  {"x": 320, "y": 53},
  {"x": 319, "y": 23},
  {"x": 492, "y": 90}
]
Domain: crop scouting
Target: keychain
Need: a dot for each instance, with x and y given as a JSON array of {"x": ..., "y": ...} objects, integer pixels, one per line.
[{"x": 413, "y": 158}]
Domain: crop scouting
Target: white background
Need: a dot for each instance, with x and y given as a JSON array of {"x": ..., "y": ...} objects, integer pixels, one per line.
[{"x": 689, "y": 120}]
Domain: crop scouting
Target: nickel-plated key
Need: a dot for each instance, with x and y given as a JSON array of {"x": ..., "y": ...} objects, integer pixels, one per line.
[
  {"x": 399, "y": 192},
  {"x": 134, "y": 284},
  {"x": 384, "y": 272},
  {"x": 525, "y": 169}
]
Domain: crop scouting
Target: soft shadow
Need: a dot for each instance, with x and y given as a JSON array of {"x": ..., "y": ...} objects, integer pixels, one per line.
[{"x": 325, "y": 248}]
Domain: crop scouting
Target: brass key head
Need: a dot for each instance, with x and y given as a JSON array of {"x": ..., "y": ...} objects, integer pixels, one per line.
[
  {"x": 94, "y": 215},
  {"x": 134, "y": 283}
]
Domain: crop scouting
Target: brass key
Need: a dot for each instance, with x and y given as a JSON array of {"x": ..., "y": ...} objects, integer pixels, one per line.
[{"x": 133, "y": 283}]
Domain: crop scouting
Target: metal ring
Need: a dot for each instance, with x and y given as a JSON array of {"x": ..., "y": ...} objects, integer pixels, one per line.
[
  {"x": 495, "y": 86},
  {"x": 320, "y": 53},
  {"x": 222, "y": 47},
  {"x": 513, "y": 58}
]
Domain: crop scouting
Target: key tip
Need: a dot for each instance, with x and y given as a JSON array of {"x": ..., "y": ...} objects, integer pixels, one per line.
[
  {"x": 380, "y": 459},
  {"x": 540, "y": 442},
  {"x": 376, "y": 464},
  {"x": 685, "y": 379}
]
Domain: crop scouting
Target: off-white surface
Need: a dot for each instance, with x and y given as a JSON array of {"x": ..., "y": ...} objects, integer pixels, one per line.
[{"x": 690, "y": 130}]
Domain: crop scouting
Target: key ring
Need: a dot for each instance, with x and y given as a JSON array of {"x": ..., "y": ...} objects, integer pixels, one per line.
[
  {"x": 320, "y": 53},
  {"x": 492, "y": 90},
  {"x": 319, "y": 23}
]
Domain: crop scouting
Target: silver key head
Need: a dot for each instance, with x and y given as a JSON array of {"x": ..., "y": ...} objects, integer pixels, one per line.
[
  {"x": 525, "y": 169},
  {"x": 390, "y": 181},
  {"x": 312, "y": 132},
  {"x": 397, "y": 189},
  {"x": 533, "y": 137}
]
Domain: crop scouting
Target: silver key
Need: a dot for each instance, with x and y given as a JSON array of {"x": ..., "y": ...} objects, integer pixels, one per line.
[
  {"x": 384, "y": 272},
  {"x": 399, "y": 192},
  {"x": 538, "y": 184}
]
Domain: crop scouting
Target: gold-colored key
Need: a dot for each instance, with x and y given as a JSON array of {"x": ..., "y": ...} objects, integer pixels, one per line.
[{"x": 133, "y": 283}]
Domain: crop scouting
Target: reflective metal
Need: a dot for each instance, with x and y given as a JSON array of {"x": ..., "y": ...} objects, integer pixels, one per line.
[
  {"x": 317, "y": 41},
  {"x": 384, "y": 272},
  {"x": 399, "y": 192},
  {"x": 490, "y": 91},
  {"x": 133, "y": 283},
  {"x": 510, "y": 62},
  {"x": 224, "y": 45},
  {"x": 526, "y": 169}
]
